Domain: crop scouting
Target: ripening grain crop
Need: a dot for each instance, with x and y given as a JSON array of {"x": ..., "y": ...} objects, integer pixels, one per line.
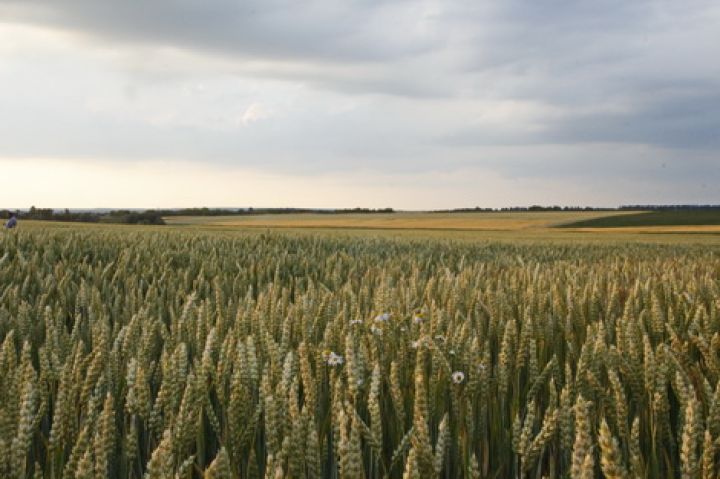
[{"x": 130, "y": 354}]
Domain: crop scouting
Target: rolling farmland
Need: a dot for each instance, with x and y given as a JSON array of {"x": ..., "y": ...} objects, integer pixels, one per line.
[
  {"x": 496, "y": 221},
  {"x": 657, "y": 222}
]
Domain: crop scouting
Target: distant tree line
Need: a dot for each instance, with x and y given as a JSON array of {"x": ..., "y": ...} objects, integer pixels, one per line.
[
  {"x": 148, "y": 217},
  {"x": 265, "y": 211},
  {"x": 669, "y": 207},
  {"x": 155, "y": 217},
  {"x": 582, "y": 208},
  {"x": 523, "y": 208}
]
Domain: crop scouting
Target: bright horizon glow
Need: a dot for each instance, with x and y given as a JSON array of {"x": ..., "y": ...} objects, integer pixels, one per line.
[{"x": 47, "y": 183}]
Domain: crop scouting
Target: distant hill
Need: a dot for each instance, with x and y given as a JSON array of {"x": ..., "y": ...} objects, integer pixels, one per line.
[{"x": 658, "y": 217}]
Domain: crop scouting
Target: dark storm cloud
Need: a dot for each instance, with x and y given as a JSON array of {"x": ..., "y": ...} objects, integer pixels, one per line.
[
  {"x": 684, "y": 118},
  {"x": 678, "y": 122},
  {"x": 560, "y": 51},
  {"x": 328, "y": 30}
]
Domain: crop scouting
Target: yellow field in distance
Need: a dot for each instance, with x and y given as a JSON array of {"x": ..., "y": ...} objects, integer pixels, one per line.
[{"x": 480, "y": 221}]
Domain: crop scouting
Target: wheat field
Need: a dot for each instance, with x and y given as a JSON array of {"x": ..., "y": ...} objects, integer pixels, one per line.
[{"x": 162, "y": 353}]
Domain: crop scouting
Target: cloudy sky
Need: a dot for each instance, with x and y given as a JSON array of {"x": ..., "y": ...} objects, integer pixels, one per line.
[{"x": 405, "y": 103}]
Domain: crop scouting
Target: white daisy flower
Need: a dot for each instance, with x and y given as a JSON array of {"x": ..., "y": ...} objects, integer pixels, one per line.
[
  {"x": 458, "y": 377},
  {"x": 334, "y": 359},
  {"x": 356, "y": 321}
]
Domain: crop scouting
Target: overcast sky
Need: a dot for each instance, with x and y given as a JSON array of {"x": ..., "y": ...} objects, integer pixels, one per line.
[{"x": 373, "y": 103}]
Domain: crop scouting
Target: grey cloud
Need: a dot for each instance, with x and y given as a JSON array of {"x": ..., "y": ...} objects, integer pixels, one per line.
[
  {"x": 676, "y": 119},
  {"x": 546, "y": 50},
  {"x": 360, "y": 31},
  {"x": 301, "y": 142},
  {"x": 680, "y": 122},
  {"x": 639, "y": 75}
]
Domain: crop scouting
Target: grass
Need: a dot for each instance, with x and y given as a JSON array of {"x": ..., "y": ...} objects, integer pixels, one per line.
[{"x": 670, "y": 218}]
